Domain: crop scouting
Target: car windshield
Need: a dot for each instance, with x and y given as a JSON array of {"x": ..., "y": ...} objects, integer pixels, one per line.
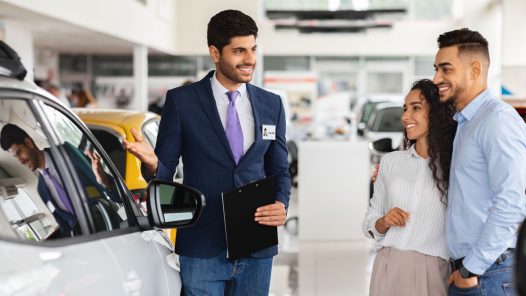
[
  {"x": 388, "y": 120},
  {"x": 368, "y": 110}
]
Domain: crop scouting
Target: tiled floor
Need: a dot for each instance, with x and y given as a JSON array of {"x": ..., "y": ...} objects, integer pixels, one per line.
[{"x": 311, "y": 268}]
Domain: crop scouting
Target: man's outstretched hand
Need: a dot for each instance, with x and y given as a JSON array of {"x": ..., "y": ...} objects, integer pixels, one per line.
[{"x": 143, "y": 151}]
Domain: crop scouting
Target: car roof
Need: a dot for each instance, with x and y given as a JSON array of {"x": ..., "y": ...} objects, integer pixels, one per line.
[
  {"x": 388, "y": 105},
  {"x": 385, "y": 98},
  {"x": 125, "y": 118},
  {"x": 27, "y": 86}
]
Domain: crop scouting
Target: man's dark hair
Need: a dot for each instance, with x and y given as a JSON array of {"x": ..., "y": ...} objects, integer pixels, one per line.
[
  {"x": 468, "y": 42},
  {"x": 228, "y": 24},
  {"x": 12, "y": 134}
]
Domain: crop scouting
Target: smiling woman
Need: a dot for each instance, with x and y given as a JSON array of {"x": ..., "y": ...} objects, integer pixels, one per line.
[{"x": 406, "y": 215}]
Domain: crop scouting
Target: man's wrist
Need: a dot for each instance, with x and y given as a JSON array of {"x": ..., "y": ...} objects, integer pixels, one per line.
[
  {"x": 152, "y": 169},
  {"x": 465, "y": 273}
]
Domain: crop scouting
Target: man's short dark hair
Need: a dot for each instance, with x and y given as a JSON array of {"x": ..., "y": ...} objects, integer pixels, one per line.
[
  {"x": 468, "y": 42},
  {"x": 12, "y": 134},
  {"x": 228, "y": 24}
]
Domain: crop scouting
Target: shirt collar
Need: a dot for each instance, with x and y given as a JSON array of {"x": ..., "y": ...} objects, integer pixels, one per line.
[
  {"x": 48, "y": 164},
  {"x": 471, "y": 109},
  {"x": 415, "y": 154},
  {"x": 220, "y": 91},
  {"x": 412, "y": 149}
]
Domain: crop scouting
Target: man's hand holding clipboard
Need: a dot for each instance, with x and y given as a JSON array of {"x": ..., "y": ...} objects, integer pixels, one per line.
[
  {"x": 271, "y": 215},
  {"x": 251, "y": 215}
]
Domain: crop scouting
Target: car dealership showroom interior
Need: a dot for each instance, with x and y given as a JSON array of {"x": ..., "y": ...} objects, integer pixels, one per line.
[{"x": 262, "y": 147}]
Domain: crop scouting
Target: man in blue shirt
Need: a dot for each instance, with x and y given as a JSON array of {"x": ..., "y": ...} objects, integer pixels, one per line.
[{"x": 486, "y": 198}]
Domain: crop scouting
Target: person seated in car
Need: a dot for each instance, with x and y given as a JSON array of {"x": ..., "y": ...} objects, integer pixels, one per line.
[{"x": 18, "y": 143}]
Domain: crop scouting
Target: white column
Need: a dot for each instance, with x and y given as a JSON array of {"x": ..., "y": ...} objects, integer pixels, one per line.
[
  {"x": 485, "y": 16},
  {"x": 19, "y": 37},
  {"x": 140, "y": 77},
  {"x": 513, "y": 48},
  {"x": 495, "y": 69},
  {"x": 257, "y": 78}
]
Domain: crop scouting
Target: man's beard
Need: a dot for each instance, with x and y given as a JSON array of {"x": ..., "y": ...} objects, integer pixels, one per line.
[{"x": 230, "y": 72}]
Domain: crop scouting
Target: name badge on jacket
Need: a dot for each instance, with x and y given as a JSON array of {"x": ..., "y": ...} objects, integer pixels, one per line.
[{"x": 268, "y": 132}]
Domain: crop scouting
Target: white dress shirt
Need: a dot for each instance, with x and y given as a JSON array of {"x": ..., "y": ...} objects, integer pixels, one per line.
[
  {"x": 243, "y": 107},
  {"x": 405, "y": 181}
]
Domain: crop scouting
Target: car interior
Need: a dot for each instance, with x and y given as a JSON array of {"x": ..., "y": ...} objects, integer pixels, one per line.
[{"x": 29, "y": 216}]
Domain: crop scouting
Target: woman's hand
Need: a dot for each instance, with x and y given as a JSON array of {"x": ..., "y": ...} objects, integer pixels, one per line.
[{"x": 394, "y": 217}]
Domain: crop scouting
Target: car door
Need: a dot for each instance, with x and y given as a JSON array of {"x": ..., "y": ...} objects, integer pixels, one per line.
[
  {"x": 104, "y": 249},
  {"x": 142, "y": 256},
  {"x": 34, "y": 260}
]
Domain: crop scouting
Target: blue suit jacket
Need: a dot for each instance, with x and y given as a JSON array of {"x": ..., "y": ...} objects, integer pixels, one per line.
[{"x": 191, "y": 127}]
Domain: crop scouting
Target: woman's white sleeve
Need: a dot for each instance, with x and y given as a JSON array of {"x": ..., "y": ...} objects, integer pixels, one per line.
[{"x": 376, "y": 208}]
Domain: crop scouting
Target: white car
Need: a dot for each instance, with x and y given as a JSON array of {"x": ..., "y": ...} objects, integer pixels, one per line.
[
  {"x": 385, "y": 122},
  {"x": 99, "y": 244},
  {"x": 365, "y": 107}
]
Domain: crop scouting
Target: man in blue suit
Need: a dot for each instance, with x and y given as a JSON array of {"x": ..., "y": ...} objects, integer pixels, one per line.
[{"x": 216, "y": 125}]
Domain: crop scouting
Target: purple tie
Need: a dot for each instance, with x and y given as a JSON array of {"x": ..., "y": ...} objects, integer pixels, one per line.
[
  {"x": 233, "y": 127},
  {"x": 60, "y": 191}
]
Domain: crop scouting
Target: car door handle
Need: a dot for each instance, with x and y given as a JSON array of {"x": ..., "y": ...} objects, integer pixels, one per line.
[
  {"x": 133, "y": 284},
  {"x": 50, "y": 255}
]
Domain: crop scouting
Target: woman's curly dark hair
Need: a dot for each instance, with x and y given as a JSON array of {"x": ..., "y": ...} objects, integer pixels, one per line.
[{"x": 442, "y": 129}]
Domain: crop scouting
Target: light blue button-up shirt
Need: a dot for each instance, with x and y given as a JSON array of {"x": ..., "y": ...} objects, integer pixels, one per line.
[{"x": 486, "y": 200}]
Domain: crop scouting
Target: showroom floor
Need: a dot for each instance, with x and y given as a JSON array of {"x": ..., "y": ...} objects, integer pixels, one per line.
[{"x": 311, "y": 268}]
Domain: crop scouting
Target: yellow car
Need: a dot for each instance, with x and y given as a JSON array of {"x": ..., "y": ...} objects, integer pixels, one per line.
[{"x": 110, "y": 127}]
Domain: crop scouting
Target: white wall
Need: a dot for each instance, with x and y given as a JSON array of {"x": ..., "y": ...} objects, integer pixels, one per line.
[
  {"x": 485, "y": 16},
  {"x": 514, "y": 50},
  {"x": 514, "y": 38},
  {"x": 333, "y": 189},
  {"x": 192, "y": 20},
  {"x": 152, "y": 25},
  {"x": 19, "y": 37}
]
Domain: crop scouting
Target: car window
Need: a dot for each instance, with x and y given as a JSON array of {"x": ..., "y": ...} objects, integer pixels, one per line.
[
  {"x": 30, "y": 209},
  {"x": 150, "y": 130},
  {"x": 368, "y": 109},
  {"x": 388, "y": 120},
  {"x": 98, "y": 181},
  {"x": 112, "y": 144}
]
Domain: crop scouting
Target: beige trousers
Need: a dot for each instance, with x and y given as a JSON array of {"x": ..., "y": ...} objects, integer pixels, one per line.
[{"x": 408, "y": 273}]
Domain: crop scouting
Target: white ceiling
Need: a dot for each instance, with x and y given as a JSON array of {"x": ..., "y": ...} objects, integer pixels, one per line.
[{"x": 49, "y": 33}]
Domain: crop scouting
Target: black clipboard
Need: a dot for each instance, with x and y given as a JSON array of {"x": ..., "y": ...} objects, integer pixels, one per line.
[{"x": 245, "y": 236}]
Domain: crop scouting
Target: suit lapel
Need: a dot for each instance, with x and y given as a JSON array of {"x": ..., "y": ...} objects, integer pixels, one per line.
[
  {"x": 204, "y": 92},
  {"x": 254, "y": 102}
]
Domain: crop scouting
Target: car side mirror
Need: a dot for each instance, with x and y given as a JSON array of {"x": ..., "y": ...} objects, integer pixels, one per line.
[
  {"x": 383, "y": 145},
  {"x": 173, "y": 205}
]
